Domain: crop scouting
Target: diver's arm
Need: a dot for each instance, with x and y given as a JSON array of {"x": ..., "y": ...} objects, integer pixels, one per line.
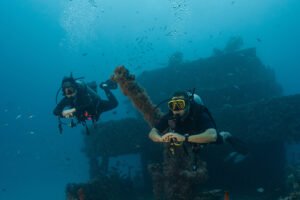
[
  {"x": 155, "y": 136},
  {"x": 109, "y": 104},
  {"x": 208, "y": 136},
  {"x": 60, "y": 107}
]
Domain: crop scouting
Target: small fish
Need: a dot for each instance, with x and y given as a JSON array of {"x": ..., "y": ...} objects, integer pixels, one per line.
[
  {"x": 171, "y": 33},
  {"x": 5, "y": 110},
  {"x": 239, "y": 158},
  {"x": 258, "y": 39},
  {"x": 214, "y": 191},
  {"x": 18, "y": 116},
  {"x": 84, "y": 54},
  {"x": 31, "y": 132},
  {"x": 3, "y": 189},
  {"x": 260, "y": 190},
  {"x": 114, "y": 112},
  {"x": 235, "y": 158},
  {"x": 233, "y": 2},
  {"x": 237, "y": 87},
  {"x": 30, "y": 116},
  {"x": 67, "y": 159},
  {"x": 230, "y": 156}
]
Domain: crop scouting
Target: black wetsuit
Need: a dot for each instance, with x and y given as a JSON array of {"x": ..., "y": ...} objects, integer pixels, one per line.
[
  {"x": 87, "y": 103},
  {"x": 197, "y": 121}
]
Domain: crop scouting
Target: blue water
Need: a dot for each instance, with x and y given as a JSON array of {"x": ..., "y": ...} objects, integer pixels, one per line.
[{"x": 43, "y": 40}]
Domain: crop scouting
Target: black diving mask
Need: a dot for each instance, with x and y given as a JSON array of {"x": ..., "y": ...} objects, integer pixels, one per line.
[{"x": 70, "y": 91}]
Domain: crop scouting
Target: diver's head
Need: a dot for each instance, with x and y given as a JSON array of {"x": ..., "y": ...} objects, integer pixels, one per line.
[
  {"x": 179, "y": 104},
  {"x": 68, "y": 86}
]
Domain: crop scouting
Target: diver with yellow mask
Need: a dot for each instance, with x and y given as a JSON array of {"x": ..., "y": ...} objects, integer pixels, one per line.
[{"x": 189, "y": 121}]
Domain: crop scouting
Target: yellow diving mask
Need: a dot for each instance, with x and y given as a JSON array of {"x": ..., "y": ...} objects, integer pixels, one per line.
[{"x": 177, "y": 104}]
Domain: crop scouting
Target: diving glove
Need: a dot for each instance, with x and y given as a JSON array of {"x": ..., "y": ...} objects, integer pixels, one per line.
[{"x": 108, "y": 85}]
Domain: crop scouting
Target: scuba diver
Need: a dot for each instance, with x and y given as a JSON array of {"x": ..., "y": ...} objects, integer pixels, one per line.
[
  {"x": 82, "y": 102},
  {"x": 190, "y": 122}
]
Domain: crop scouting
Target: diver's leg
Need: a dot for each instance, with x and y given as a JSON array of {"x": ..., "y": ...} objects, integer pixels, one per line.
[{"x": 238, "y": 145}]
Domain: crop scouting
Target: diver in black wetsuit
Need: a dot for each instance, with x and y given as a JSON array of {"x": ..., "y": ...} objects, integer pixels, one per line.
[
  {"x": 190, "y": 122},
  {"x": 83, "y": 102}
]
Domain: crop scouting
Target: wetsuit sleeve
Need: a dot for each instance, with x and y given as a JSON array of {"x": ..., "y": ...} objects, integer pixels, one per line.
[
  {"x": 162, "y": 125},
  {"x": 109, "y": 104},
  {"x": 60, "y": 107},
  {"x": 204, "y": 122}
]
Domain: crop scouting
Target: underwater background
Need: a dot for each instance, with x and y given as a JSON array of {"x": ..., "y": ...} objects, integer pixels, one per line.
[{"x": 43, "y": 40}]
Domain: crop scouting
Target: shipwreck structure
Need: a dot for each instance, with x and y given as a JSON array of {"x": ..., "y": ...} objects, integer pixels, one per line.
[{"x": 244, "y": 98}]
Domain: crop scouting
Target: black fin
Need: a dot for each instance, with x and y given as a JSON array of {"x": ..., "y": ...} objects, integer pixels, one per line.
[{"x": 238, "y": 145}]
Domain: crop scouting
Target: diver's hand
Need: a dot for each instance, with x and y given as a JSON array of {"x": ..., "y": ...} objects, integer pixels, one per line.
[
  {"x": 69, "y": 113},
  {"x": 104, "y": 86},
  {"x": 170, "y": 136},
  {"x": 108, "y": 85}
]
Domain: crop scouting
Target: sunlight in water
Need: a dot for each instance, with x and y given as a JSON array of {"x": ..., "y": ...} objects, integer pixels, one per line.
[
  {"x": 181, "y": 13},
  {"x": 79, "y": 20}
]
